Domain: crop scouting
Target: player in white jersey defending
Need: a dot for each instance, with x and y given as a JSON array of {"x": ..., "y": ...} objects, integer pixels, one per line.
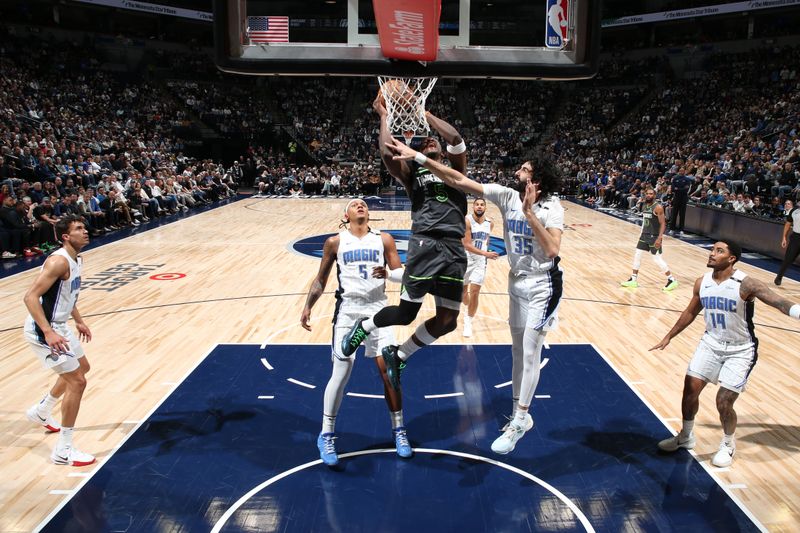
[
  {"x": 728, "y": 350},
  {"x": 476, "y": 243},
  {"x": 51, "y": 300},
  {"x": 533, "y": 221},
  {"x": 363, "y": 260}
]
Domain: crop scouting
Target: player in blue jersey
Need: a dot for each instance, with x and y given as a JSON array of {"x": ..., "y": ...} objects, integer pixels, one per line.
[{"x": 728, "y": 350}]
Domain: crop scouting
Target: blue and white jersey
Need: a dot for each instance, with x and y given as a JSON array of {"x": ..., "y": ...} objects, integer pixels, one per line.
[
  {"x": 729, "y": 319},
  {"x": 524, "y": 252},
  {"x": 480, "y": 231},
  {"x": 354, "y": 263},
  {"x": 62, "y": 296}
]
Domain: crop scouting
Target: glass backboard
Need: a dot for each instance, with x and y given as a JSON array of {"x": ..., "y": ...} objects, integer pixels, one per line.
[{"x": 512, "y": 39}]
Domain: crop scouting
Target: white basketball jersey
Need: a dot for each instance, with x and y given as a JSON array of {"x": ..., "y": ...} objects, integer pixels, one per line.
[
  {"x": 354, "y": 263},
  {"x": 61, "y": 297},
  {"x": 729, "y": 319},
  {"x": 480, "y": 236},
  {"x": 524, "y": 252}
]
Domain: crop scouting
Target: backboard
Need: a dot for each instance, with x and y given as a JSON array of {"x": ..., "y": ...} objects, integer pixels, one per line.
[{"x": 511, "y": 39}]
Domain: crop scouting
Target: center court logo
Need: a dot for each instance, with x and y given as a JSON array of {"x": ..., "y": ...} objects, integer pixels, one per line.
[{"x": 312, "y": 246}]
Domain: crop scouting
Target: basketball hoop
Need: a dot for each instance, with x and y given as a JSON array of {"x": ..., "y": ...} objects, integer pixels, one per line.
[{"x": 405, "y": 105}]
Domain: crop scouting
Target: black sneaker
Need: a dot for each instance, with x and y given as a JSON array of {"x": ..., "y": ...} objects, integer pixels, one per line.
[
  {"x": 778, "y": 280},
  {"x": 354, "y": 338},
  {"x": 394, "y": 365}
]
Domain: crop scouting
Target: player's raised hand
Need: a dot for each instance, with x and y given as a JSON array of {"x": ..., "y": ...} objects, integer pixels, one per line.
[
  {"x": 531, "y": 195},
  {"x": 379, "y": 105},
  {"x": 401, "y": 151}
]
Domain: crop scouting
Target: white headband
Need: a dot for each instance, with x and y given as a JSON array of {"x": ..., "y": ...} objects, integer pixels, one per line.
[{"x": 347, "y": 207}]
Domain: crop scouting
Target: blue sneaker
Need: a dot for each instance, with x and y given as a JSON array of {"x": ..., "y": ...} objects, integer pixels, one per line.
[
  {"x": 394, "y": 365},
  {"x": 401, "y": 443},
  {"x": 327, "y": 449},
  {"x": 354, "y": 338}
]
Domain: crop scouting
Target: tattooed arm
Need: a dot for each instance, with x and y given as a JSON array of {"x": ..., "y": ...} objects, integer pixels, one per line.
[
  {"x": 329, "y": 251},
  {"x": 753, "y": 288}
]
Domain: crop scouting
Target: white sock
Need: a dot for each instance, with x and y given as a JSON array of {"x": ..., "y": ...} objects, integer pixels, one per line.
[
  {"x": 397, "y": 419},
  {"x": 519, "y": 416},
  {"x": 65, "y": 438},
  {"x": 369, "y": 325},
  {"x": 407, "y": 349},
  {"x": 688, "y": 426},
  {"x": 328, "y": 423},
  {"x": 47, "y": 404},
  {"x": 670, "y": 278},
  {"x": 727, "y": 440},
  {"x": 467, "y": 320},
  {"x": 634, "y": 277}
]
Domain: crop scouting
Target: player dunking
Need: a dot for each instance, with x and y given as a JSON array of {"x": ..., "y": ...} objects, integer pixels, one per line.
[
  {"x": 728, "y": 350},
  {"x": 533, "y": 222},
  {"x": 436, "y": 260},
  {"x": 653, "y": 226},
  {"x": 360, "y": 255},
  {"x": 51, "y": 300},
  {"x": 476, "y": 243}
]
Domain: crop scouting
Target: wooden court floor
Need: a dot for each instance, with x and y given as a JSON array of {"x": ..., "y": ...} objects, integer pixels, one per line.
[{"x": 242, "y": 284}]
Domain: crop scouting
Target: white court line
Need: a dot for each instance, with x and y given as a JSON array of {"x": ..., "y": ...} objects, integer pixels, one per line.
[
  {"x": 78, "y": 474},
  {"x": 266, "y": 397},
  {"x": 448, "y": 395},
  {"x": 362, "y": 395},
  {"x": 297, "y": 382},
  {"x": 266, "y": 364},
  {"x": 100, "y": 464},
  {"x": 737, "y": 486},
  {"x": 60, "y": 491},
  {"x": 703, "y": 465},
  {"x": 554, "y": 491},
  {"x": 541, "y": 396}
]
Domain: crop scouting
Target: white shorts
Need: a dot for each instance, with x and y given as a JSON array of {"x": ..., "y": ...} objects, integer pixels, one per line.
[
  {"x": 534, "y": 299},
  {"x": 61, "y": 362},
  {"x": 377, "y": 340},
  {"x": 476, "y": 271},
  {"x": 727, "y": 364}
]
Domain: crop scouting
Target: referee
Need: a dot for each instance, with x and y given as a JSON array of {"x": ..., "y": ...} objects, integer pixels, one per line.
[
  {"x": 680, "y": 197},
  {"x": 790, "y": 241}
]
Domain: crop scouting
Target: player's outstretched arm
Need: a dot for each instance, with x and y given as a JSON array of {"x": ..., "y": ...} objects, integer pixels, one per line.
[
  {"x": 398, "y": 169},
  {"x": 317, "y": 288},
  {"x": 450, "y": 176},
  {"x": 752, "y": 287},
  {"x": 686, "y": 318},
  {"x": 456, "y": 149}
]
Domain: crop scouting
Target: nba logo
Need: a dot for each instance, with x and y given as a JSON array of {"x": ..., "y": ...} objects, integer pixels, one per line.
[{"x": 556, "y": 23}]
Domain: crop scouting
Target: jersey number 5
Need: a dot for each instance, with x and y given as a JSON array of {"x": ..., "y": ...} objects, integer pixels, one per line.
[{"x": 362, "y": 271}]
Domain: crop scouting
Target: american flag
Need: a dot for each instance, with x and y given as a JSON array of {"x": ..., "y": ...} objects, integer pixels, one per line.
[{"x": 268, "y": 29}]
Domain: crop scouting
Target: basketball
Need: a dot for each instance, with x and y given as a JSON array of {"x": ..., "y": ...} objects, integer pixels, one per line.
[{"x": 398, "y": 92}]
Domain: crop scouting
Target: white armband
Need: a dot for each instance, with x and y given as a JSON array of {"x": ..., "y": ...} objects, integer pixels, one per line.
[
  {"x": 396, "y": 274},
  {"x": 460, "y": 148},
  {"x": 420, "y": 158},
  {"x": 794, "y": 311}
]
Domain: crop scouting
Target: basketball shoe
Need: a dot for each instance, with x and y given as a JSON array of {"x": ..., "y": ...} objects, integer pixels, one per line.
[
  {"x": 401, "y": 443},
  {"x": 69, "y": 455},
  {"x": 632, "y": 283},
  {"x": 724, "y": 457},
  {"x": 354, "y": 338},
  {"x": 512, "y": 432},
  {"x": 671, "y": 285},
  {"x": 394, "y": 365},
  {"x": 327, "y": 449},
  {"x": 678, "y": 441},
  {"x": 48, "y": 422}
]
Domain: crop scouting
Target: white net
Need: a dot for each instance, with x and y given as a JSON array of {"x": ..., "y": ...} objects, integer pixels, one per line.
[{"x": 405, "y": 105}]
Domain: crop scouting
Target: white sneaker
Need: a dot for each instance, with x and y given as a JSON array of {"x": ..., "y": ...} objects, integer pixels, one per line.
[
  {"x": 528, "y": 423},
  {"x": 724, "y": 457},
  {"x": 678, "y": 441},
  {"x": 68, "y": 455},
  {"x": 48, "y": 422},
  {"x": 506, "y": 442},
  {"x": 467, "y": 329}
]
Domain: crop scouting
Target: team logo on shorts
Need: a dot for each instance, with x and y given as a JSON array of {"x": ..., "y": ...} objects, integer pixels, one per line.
[{"x": 312, "y": 246}]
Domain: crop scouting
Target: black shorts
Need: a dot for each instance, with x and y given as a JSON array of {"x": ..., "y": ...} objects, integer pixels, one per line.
[
  {"x": 435, "y": 266},
  {"x": 647, "y": 242}
]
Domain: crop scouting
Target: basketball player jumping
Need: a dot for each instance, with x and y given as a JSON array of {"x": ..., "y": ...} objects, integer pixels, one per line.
[
  {"x": 436, "y": 260},
  {"x": 728, "y": 350},
  {"x": 360, "y": 255},
  {"x": 476, "y": 243},
  {"x": 533, "y": 221},
  {"x": 653, "y": 226},
  {"x": 51, "y": 300}
]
